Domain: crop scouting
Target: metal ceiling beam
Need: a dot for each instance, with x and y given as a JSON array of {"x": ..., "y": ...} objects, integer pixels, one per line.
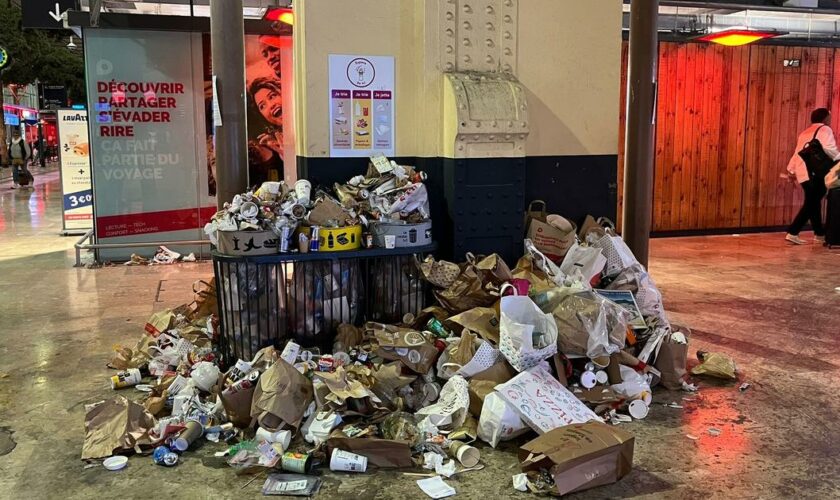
[{"x": 95, "y": 10}]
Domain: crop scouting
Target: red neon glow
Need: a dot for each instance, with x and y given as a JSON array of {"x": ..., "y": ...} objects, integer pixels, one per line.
[
  {"x": 282, "y": 15},
  {"x": 736, "y": 37}
]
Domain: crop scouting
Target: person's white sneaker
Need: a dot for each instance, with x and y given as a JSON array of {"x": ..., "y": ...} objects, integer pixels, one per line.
[
  {"x": 795, "y": 239},
  {"x": 819, "y": 239}
]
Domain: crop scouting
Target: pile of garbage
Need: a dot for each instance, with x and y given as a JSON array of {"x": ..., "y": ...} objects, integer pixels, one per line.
[
  {"x": 561, "y": 350},
  {"x": 361, "y": 212}
]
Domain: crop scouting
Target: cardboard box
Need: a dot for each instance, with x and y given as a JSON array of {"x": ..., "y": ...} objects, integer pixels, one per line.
[{"x": 580, "y": 456}]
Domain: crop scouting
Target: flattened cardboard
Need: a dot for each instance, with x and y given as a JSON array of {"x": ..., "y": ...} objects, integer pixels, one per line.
[{"x": 580, "y": 456}]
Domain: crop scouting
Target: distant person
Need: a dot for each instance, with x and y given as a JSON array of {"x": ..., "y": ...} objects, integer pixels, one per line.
[
  {"x": 19, "y": 155},
  {"x": 814, "y": 188}
]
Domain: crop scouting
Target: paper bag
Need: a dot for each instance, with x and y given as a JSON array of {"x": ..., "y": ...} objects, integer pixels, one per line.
[
  {"x": 410, "y": 347},
  {"x": 550, "y": 239},
  {"x": 580, "y": 456},
  {"x": 499, "y": 421},
  {"x": 481, "y": 320},
  {"x": 439, "y": 273},
  {"x": 467, "y": 292},
  {"x": 382, "y": 453},
  {"x": 116, "y": 425},
  {"x": 542, "y": 402},
  {"x": 528, "y": 335},
  {"x": 450, "y": 410},
  {"x": 485, "y": 382},
  {"x": 204, "y": 299},
  {"x": 325, "y": 211},
  {"x": 160, "y": 322},
  {"x": 527, "y": 269},
  {"x": 281, "y": 397},
  {"x": 672, "y": 358},
  {"x": 491, "y": 269}
]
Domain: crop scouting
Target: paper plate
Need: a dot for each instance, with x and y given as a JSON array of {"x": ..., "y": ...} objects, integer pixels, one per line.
[{"x": 116, "y": 462}]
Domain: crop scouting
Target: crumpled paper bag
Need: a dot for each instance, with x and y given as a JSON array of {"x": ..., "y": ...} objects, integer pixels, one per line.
[
  {"x": 116, "y": 425},
  {"x": 281, "y": 397},
  {"x": 450, "y": 410},
  {"x": 347, "y": 395},
  {"x": 481, "y": 320},
  {"x": 715, "y": 364}
]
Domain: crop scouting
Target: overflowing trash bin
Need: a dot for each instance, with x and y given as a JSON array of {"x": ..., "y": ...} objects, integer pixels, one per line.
[{"x": 295, "y": 363}]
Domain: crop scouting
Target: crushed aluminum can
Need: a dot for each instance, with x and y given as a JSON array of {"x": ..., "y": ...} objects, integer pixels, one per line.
[{"x": 164, "y": 456}]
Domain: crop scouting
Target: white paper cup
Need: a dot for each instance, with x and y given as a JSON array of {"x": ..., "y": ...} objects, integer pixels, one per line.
[
  {"x": 390, "y": 241},
  {"x": 588, "y": 379},
  {"x": 283, "y": 438},
  {"x": 193, "y": 431},
  {"x": 638, "y": 409},
  {"x": 344, "y": 461},
  {"x": 467, "y": 455},
  {"x": 126, "y": 379},
  {"x": 602, "y": 377},
  {"x": 303, "y": 190}
]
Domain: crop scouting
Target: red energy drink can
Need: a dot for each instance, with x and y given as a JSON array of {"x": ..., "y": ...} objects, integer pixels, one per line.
[{"x": 244, "y": 384}]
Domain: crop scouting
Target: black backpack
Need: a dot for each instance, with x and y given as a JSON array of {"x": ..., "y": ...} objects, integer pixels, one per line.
[{"x": 816, "y": 161}]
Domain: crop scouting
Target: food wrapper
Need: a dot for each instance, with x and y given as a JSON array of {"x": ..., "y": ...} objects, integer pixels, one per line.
[
  {"x": 716, "y": 365},
  {"x": 114, "y": 426}
]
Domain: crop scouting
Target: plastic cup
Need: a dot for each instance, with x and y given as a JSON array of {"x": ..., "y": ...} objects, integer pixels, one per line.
[
  {"x": 602, "y": 377},
  {"x": 588, "y": 379},
  {"x": 283, "y": 438},
  {"x": 344, "y": 461},
  {"x": 303, "y": 190},
  {"x": 638, "y": 409},
  {"x": 390, "y": 241},
  {"x": 467, "y": 455},
  {"x": 193, "y": 431}
]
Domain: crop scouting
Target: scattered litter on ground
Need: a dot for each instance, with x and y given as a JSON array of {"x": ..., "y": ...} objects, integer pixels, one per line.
[{"x": 714, "y": 432}]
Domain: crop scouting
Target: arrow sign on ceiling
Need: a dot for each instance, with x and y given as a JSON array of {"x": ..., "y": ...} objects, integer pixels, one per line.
[{"x": 57, "y": 14}]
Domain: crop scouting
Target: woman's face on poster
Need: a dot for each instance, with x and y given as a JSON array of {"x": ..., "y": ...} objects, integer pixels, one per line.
[
  {"x": 270, "y": 104},
  {"x": 272, "y": 57}
]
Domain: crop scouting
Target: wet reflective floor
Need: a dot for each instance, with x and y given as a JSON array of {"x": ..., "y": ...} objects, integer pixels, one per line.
[{"x": 771, "y": 306}]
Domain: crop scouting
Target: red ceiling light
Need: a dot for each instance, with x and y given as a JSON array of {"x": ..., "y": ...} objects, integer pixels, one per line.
[
  {"x": 280, "y": 14},
  {"x": 738, "y": 36}
]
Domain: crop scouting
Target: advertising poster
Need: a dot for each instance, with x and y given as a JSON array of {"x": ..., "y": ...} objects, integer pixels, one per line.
[
  {"x": 361, "y": 104},
  {"x": 268, "y": 85},
  {"x": 147, "y": 138},
  {"x": 74, "y": 158}
]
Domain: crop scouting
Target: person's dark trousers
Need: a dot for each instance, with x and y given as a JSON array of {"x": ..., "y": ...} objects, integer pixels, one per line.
[{"x": 811, "y": 209}]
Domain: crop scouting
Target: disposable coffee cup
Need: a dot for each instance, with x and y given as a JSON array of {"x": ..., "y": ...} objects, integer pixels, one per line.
[
  {"x": 283, "y": 438},
  {"x": 588, "y": 379},
  {"x": 249, "y": 210},
  {"x": 303, "y": 190},
  {"x": 602, "y": 377},
  {"x": 290, "y": 352},
  {"x": 638, "y": 409},
  {"x": 344, "y": 461},
  {"x": 390, "y": 241},
  {"x": 466, "y": 455},
  {"x": 127, "y": 378},
  {"x": 193, "y": 431}
]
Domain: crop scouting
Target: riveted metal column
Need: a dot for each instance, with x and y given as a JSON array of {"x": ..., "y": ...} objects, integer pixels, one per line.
[
  {"x": 640, "y": 133},
  {"x": 227, "y": 37}
]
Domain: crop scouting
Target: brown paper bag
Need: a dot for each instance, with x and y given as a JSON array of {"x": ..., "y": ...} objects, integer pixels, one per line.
[
  {"x": 388, "y": 379},
  {"x": 348, "y": 336},
  {"x": 439, "y": 273},
  {"x": 326, "y": 210},
  {"x": 281, "y": 397},
  {"x": 204, "y": 299},
  {"x": 550, "y": 240},
  {"x": 580, "y": 456},
  {"x": 467, "y": 292},
  {"x": 382, "y": 453},
  {"x": 237, "y": 405},
  {"x": 672, "y": 359},
  {"x": 116, "y": 425},
  {"x": 483, "y": 383},
  {"x": 410, "y": 347},
  {"x": 482, "y": 320},
  {"x": 590, "y": 225},
  {"x": 526, "y": 270},
  {"x": 491, "y": 269}
]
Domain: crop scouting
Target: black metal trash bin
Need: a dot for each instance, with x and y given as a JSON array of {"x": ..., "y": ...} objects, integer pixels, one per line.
[{"x": 267, "y": 299}]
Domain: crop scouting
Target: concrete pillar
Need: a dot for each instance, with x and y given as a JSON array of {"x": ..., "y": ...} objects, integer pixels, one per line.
[
  {"x": 227, "y": 38},
  {"x": 639, "y": 145}
]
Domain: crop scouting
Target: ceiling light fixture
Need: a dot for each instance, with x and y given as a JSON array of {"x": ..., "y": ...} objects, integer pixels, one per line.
[
  {"x": 283, "y": 15},
  {"x": 738, "y": 36}
]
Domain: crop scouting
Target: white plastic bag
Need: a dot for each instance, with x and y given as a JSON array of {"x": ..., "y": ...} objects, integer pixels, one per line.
[
  {"x": 589, "y": 261},
  {"x": 637, "y": 280},
  {"x": 618, "y": 254},
  {"x": 498, "y": 421},
  {"x": 527, "y": 335},
  {"x": 634, "y": 385}
]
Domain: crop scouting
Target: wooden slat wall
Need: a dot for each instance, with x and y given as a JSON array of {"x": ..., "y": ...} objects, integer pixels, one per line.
[{"x": 727, "y": 123}]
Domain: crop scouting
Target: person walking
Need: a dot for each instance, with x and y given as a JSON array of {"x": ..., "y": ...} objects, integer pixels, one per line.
[
  {"x": 19, "y": 154},
  {"x": 814, "y": 188}
]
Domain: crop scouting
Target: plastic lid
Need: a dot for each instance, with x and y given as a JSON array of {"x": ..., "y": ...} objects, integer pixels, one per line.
[{"x": 116, "y": 462}]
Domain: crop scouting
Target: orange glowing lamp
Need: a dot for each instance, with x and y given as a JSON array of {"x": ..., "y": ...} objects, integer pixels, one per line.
[
  {"x": 736, "y": 37},
  {"x": 283, "y": 15}
]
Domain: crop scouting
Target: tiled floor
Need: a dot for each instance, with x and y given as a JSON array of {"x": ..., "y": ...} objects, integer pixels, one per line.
[{"x": 773, "y": 307}]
